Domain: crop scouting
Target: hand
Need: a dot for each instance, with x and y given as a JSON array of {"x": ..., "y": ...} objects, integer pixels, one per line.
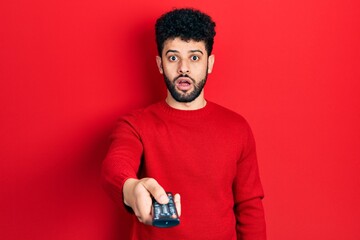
[{"x": 137, "y": 195}]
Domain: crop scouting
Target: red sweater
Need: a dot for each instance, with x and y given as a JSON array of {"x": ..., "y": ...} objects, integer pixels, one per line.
[{"x": 206, "y": 155}]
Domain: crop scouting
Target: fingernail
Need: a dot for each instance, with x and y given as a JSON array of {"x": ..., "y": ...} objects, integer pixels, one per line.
[{"x": 163, "y": 198}]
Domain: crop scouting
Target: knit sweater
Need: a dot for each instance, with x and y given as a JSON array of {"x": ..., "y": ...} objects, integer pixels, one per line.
[{"x": 207, "y": 155}]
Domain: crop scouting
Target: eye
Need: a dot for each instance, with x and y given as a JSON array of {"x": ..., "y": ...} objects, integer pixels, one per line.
[
  {"x": 195, "y": 58},
  {"x": 173, "y": 58}
]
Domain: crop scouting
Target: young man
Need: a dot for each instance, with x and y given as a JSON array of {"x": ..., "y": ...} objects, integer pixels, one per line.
[{"x": 187, "y": 145}]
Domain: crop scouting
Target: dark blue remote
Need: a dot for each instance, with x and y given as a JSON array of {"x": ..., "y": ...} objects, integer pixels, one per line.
[{"x": 165, "y": 215}]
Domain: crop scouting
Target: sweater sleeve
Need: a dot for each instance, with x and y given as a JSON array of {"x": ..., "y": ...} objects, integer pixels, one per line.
[
  {"x": 248, "y": 193},
  {"x": 122, "y": 160}
]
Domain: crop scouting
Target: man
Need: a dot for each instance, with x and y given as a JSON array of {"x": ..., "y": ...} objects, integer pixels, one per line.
[{"x": 187, "y": 145}]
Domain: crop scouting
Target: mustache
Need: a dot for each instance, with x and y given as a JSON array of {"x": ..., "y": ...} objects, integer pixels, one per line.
[{"x": 184, "y": 75}]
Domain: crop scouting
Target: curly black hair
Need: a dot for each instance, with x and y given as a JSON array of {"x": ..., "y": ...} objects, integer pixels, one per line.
[{"x": 186, "y": 23}]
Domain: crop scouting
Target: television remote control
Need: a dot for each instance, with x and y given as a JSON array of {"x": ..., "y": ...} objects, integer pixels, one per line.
[{"x": 165, "y": 215}]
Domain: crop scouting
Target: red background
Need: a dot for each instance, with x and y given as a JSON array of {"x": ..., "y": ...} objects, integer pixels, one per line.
[{"x": 68, "y": 69}]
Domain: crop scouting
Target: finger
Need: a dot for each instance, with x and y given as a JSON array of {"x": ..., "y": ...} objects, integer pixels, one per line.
[
  {"x": 143, "y": 207},
  {"x": 177, "y": 203},
  {"x": 147, "y": 221},
  {"x": 156, "y": 190}
]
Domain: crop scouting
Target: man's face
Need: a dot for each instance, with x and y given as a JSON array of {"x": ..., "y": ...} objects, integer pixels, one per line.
[{"x": 185, "y": 65}]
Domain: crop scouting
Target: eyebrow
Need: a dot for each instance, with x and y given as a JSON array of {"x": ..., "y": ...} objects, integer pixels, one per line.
[
  {"x": 172, "y": 51},
  {"x": 176, "y": 51},
  {"x": 197, "y": 51}
]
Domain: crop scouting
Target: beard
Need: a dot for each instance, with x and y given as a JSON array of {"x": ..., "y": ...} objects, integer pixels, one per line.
[{"x": 184, "y": 96}]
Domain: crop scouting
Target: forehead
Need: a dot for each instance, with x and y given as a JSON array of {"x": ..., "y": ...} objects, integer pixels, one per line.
[{"x": 182, "y": 46}]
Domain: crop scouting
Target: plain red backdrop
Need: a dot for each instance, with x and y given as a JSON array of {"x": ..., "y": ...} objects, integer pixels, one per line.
[{"x": 68, "y": 69}]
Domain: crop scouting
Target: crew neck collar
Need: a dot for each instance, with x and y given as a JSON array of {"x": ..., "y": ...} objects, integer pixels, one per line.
[{"x": 186, "y": 113}]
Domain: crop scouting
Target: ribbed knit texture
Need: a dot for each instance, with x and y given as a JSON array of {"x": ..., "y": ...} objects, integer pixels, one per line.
[{"x": 206, "y": 155}]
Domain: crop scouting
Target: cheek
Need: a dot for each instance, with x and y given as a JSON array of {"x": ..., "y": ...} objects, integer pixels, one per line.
[
  {"x": 169, "y": 70},
  {"x": 200, "y": 70}
]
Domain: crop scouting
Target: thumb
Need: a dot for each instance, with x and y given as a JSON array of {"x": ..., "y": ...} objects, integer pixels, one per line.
[{"x": 156, "y": 190}]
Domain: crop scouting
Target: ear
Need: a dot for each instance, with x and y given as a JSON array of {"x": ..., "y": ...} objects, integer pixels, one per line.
[
  {"x": 159, "y": 64},
  {"x": 211, "y": 61}
]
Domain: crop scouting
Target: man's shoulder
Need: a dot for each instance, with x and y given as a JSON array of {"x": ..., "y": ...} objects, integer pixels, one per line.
[
  {"x": 137, "y": 114},
  {"x": 230, "y": 121},
  {"x": 227, "y": 114}
]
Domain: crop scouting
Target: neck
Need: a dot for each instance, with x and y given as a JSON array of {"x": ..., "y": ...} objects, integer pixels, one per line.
[{"x": 196, "y": 104}]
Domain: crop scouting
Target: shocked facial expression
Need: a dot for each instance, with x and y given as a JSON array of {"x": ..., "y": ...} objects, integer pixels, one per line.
[{"x": 185, "y": 65}]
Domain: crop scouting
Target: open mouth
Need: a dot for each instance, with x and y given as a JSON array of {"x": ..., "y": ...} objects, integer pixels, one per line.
[{"x": 183, "y": 83}]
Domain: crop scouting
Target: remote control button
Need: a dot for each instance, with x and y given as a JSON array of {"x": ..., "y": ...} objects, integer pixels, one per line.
[
  {"x": 172, "y": 209},
  {"x": 165, "y": 209}
]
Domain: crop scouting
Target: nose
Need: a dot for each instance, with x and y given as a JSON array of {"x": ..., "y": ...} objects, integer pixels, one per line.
[{"x": 183, "y": 67}]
